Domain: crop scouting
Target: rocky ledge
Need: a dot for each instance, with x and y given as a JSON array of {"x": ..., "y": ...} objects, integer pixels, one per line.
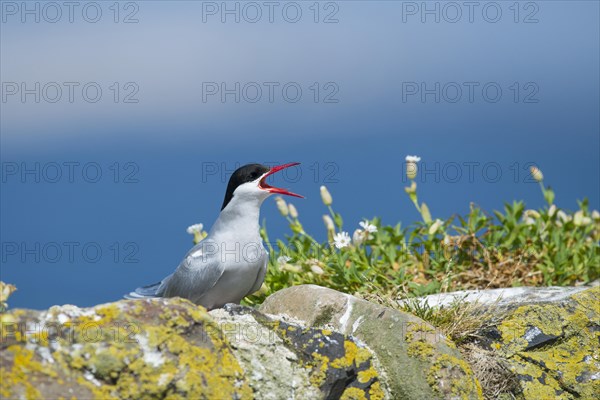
[{"x": 303, "y": 342}]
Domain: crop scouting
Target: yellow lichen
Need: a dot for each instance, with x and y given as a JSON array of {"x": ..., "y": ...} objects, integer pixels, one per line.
[
  {"x": 560, "y": 364},
  {"x": 319, "y": 373},
  {"x": 457, "y": 373},
  {"x": 20, "y": 375},
  {"x": 366, "y": 375},
  {"x": 199, "y": 366},
  {"x": 376, "y": 392},
  {"x": 420, "y": 349},
  {"x": 353, "y": 393}
]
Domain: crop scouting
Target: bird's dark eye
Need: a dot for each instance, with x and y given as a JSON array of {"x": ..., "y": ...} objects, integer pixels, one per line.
[{"x": 254, "y": 175}]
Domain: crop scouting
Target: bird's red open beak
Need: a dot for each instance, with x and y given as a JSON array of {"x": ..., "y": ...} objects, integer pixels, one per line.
[{"x": 263, "y": 184}]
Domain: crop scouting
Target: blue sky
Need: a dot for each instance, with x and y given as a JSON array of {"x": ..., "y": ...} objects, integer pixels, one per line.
[{"x": 132, "y": 138}]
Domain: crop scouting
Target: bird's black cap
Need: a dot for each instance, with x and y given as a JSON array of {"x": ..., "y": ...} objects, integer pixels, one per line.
[{"x": 247, "y": 173}]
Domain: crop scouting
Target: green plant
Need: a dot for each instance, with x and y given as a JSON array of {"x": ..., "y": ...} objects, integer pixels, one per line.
[{"x": 511, "y": 247}]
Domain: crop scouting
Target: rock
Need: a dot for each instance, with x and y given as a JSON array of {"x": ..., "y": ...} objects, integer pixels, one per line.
[
  {"x": 503, "y": 297},
  {"x": 294, "y": 361},
  {"x": 171, "y": 348},
  {"x": 419, "y": 362},
  {"x": 551, "y": 346},
  {"x": 305, "y": 342},
  {"x": 128, "y": 349}
]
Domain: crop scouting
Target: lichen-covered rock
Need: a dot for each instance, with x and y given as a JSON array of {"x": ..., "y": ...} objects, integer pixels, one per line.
[
  {"x": 125, "y": 350},
  {"x": 502, "y": 297},
  {"x": 172, "y": 349},
  {"x": 551, "y": 347},
  {"x": 419, "y": 362},
  {"x": 293, "y": 361}
]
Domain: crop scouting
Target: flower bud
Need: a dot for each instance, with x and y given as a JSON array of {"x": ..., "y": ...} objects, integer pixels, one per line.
[
  {"x": 531, "y": 214},
  {"x": 293, "y": 211},
  {"x": 281, "y": 206},
  {"x": 595, "y": 215},
  {"x": 296, "y": 227},
  {"x": 283, "y": 260},
  {"x": 328, "y": 223},
  {"x": 358, "y": 237},
  {"x": 425, "y": 213},
  {"x": 6, "y": 290},
  {"x": 580, "y": 219},
  {"x": 264, "y": 290},
  {"x": 290, "y": 268},
  {"x": 537, "y": 174},
  {"x": 435, "y": 226},
  {"x": 411, "y": 166},
  {"x": 412, "y": 189},
  {"x": 316, "y": 269},
  {"x": 552, "y": 211},
  {"x": 326, "y": 196},
  {"x": 563, "y": 217}
]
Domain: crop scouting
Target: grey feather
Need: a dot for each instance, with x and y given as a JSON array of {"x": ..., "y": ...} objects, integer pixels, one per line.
[
  {"x": 144, "y": 292},
  {"x": 196, "y": 275},
  {"x": 261, "y": 276}
]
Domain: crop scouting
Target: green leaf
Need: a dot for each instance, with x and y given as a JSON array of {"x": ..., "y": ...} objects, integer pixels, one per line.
[{"x": 339, "y": 222}]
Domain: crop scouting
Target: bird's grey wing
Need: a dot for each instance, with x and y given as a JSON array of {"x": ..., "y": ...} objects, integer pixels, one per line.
[
  {"x": 149, "y": 291},
  {"x": 260, "y": 278},
  {"x": 197, "y": 274}
]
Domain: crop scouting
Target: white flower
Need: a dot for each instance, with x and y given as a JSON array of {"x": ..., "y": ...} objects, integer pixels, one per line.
[
  {"x": 435, "y": 226},
  {"x": 551, "y": 210},
  {"x": 595, "y": 215},
  {"x": 283, "y": 260},
  {"x": 341, "y": 240},
  {"x": 358, "y": 237},
  {"x": 368, "y": 227},
  {"x": 413, "y": 159},
  {"x": 193, "y": 229},
  {"x": 579, "y": 219}
]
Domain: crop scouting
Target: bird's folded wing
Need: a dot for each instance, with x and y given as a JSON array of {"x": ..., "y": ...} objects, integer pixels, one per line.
[
  {"x": 197, "y": 273},
  {"x": 261, "y": 276}
]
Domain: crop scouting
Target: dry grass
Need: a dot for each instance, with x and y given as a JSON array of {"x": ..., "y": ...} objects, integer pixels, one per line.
[
  {"x": 496, "y": 379},
  {"x": 463, "y": 323}
]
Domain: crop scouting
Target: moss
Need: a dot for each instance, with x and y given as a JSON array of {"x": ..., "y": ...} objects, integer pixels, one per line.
[{"x": 324, "y": 316}]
